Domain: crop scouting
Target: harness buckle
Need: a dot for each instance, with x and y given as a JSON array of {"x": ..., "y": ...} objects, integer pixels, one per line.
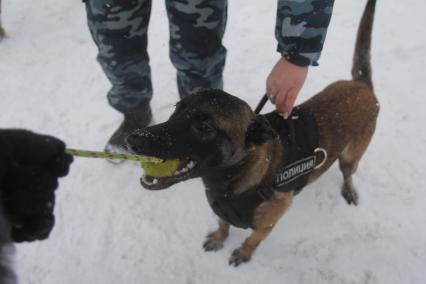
[{"x": 324, "y": 152}]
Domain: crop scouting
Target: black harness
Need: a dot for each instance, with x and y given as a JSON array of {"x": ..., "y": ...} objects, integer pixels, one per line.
[{"x": 300, "y": 138}]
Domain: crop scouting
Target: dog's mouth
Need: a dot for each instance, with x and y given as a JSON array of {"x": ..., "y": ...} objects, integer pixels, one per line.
[{"x": 185, "y": 170}]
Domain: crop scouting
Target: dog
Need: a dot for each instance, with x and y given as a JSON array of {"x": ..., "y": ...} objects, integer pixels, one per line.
[{"x": 240, "y": 155}]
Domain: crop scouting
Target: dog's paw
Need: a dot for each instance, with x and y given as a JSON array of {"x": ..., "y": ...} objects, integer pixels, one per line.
[
  {"x": 239, "y": 256},
  {"x": 350, "y": 195},
  {"x": 211, "y": 243}
]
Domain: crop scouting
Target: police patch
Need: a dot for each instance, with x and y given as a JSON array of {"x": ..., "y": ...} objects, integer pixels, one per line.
[{"x": 295, "y": 170}]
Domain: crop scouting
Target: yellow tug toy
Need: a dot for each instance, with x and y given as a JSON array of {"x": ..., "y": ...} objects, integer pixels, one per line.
[
  {"x": 159, "y": 170},
  {"x": 152, "y": 166}
]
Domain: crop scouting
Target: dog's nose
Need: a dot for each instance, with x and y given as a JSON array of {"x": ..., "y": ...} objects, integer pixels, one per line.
[{"x": 146, "y": 142}]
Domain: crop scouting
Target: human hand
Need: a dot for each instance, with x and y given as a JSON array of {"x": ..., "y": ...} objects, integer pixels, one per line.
[
  {"x": 30, "y": 165},
  {"x": 283, "y": 85}
]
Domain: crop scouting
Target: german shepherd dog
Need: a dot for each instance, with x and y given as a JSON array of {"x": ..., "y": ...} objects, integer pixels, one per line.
[{"x": 219, "y": 138}]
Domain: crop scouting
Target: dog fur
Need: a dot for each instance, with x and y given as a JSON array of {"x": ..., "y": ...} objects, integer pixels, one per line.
[{"x": 235, "y": 149}]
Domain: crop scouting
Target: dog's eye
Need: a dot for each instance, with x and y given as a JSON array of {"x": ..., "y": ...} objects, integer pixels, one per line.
[{"x": 203, "y": 129}]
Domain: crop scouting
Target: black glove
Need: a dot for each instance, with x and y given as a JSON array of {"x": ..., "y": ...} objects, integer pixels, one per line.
[{"x": 30, "y": 165}]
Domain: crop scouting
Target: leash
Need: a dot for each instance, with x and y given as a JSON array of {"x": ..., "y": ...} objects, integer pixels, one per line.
[
  {"x": 261, "y": 104},
  {"x": 112, "y": 156}
]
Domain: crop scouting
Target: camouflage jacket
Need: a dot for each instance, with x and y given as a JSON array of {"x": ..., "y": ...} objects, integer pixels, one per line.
[{"x": 301, "y": 28}]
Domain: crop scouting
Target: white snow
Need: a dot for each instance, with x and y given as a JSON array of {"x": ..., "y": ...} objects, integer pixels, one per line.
[{"x": 110, "y": 230}]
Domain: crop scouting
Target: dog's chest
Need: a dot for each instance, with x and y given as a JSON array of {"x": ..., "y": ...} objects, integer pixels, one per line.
[
  {"x": 299, "y": 135},
  {"x": 235, "y": 210}
]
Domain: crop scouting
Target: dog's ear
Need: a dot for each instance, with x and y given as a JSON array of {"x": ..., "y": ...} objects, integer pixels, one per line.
[{"x": 259, "y": 131}]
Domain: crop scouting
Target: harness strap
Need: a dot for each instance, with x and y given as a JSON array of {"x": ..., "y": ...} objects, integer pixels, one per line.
[
  {"x": 300, "y": 137},
  {"x": 265, "y": 192}
]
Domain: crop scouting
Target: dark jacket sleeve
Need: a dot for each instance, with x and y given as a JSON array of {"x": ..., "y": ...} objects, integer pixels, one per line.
[
  {"x": 7, "y": 251},
  {"x": 301, "y": 28}
]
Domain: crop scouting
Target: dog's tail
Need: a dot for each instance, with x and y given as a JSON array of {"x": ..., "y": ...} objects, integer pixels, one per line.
[{"x": 361, "y": 69}]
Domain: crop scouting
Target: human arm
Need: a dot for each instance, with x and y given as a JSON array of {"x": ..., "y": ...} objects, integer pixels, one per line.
[{"x": 300, "y": 30}]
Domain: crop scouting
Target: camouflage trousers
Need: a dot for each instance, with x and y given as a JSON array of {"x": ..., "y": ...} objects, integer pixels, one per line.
[{"x": 119, "y": 29}]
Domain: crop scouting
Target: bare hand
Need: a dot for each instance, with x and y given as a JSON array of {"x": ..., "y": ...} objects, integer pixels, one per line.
[{"x": 283, "y": 85}]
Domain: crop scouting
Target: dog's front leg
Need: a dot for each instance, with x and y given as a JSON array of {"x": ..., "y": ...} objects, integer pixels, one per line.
[
  {"x": 244, "y": 253},
  {"x": 215, "y": 240},
  {"x": 266, "y": 216}
]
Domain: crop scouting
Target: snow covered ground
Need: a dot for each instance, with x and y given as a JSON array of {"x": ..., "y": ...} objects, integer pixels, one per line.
[{"x": 110, "y": 230}]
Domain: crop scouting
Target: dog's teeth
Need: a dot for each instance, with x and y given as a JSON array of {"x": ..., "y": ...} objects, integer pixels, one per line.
[
  {"x": 191, "y": 164},
  {"x": 145, "y": 180},
  {"x": 186, "y": 169}
]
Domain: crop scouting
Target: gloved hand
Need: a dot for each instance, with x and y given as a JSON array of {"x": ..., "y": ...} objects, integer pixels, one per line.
[{"x": 30, "y": 165}]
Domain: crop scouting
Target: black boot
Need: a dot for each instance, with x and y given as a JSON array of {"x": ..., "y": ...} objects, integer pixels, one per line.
[{"x": 132, "y": 121}]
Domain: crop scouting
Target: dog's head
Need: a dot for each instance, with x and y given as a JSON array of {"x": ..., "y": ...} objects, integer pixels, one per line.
[{"x": 207, "y": 132}]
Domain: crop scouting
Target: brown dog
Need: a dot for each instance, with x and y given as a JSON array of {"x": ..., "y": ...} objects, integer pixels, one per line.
[{"x": 243, "y": 158}]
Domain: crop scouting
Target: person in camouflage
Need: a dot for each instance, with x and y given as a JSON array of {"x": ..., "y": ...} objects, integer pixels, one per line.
[{"x": 119, "y": 29}]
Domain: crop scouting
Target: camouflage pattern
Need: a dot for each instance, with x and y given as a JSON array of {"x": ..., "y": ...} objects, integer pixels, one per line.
[
  {"x": 119, "y": 29},
  {"x": 196, "y": 50},
  {"x": 301, "y": 28}
]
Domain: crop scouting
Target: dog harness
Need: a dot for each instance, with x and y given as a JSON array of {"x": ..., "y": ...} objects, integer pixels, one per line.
[{"x": 300, "y": 138}]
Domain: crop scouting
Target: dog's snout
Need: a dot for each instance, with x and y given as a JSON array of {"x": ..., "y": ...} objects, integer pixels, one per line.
[
  {"x": 133, "y": 144},
  {"x": 142, "y": 141}
]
